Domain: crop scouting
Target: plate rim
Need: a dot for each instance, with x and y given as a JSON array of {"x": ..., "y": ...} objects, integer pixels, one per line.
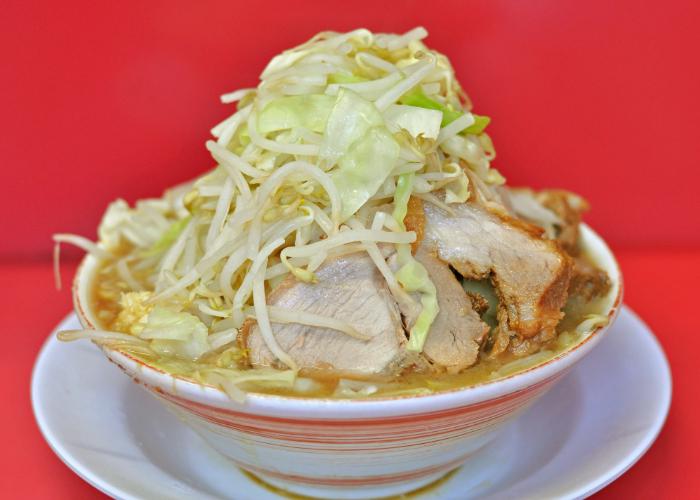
[
  {"x": 86, "y": 474},
  {"x": 665, "y": 406}
]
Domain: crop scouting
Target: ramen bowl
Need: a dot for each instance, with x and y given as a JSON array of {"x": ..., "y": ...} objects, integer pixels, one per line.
[{"x": 359, "y": 448}]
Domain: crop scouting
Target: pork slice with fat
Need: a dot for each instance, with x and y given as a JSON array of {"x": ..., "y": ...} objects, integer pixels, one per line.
[
  {"x": 349, "y": 289},
  {"x": 587, "y": 281},
  {"x": 457, "y": 332},
  {"x": 530, "y": 273},
  {"x": 555, "y": 210}
]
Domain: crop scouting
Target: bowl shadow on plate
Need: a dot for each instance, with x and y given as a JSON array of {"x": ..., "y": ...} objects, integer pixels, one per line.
[
  {"x": 175, "y": 448},
  {"x": 510, "y": 458},
  {"x": 550, "y": 428},
  {"x": 179, "y": 452}
]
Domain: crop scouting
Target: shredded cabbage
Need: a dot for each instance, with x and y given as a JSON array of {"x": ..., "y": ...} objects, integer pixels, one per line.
[
  {"x": 457, "y": 191},
  {"x": 345, "y": 78}
]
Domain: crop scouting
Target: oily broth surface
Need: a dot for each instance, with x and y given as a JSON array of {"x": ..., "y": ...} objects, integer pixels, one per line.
[{"x": 108, "y": 288}]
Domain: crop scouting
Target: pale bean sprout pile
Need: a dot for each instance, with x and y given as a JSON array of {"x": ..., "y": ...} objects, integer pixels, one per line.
[{"x": 318, "y": 160}]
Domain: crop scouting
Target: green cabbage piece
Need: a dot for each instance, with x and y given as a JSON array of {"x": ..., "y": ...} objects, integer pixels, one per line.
[
  {"x": 345, "y": 78},
  {"x": 168, "y": 238},
  {"x": 243, "y": 138},
  {"x": 414, "y": 278},
  {"x": 357, "y": 140},
  {"x": 480, "y": 123},
  {"x": 308, "y": 111},
  {"x": 404, "y": 187},
  {"x": 351, "y": 118},
  {"x": 364, "y": 168},
  {"x": 417, "y": 121},
  {"x": 412, "y": 275},
  {"x": 175, "y": 333},
  {"x": 416, "y": 97}
]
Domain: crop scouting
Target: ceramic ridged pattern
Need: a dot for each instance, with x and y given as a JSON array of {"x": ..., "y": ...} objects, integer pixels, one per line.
[{"x": 352, "y": 452}]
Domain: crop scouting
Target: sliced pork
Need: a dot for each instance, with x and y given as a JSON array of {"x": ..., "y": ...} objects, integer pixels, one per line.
[
  {"x": 557, "y": 211},
  {"x": 349, "y": 289},
  {"x": 530, "y": 273},
  {"x": 587, "y": 281},
  {"x": 457, "y": 332}
]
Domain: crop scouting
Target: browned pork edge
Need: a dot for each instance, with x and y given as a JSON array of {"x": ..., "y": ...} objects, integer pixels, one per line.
[
  {"x": 549, "y": 302},
  {"x": 415, "y": 221},
  {"x": 587, "y": 280}
]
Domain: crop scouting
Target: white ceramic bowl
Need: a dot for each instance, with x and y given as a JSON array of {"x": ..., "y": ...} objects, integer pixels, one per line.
[{"x": 354, "y": 448}]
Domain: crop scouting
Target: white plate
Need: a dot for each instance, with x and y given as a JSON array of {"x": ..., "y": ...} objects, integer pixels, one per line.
[{"x": 591, "y": 427}]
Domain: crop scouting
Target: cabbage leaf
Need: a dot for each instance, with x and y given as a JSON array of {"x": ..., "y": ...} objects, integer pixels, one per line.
[
  {"x": 176, "y": 333},
  {"x": 457, "y": 191},
  {"x": 414, "y": 278},
  {"x": 417, "y": 121},
  {"x": 345, "y": 78},
  {"x": 480, "y": 123},
  {"x": 404, "y": 187},
  {"x": 351, "y": 118},
  {"x": 417, "y": 97},
  {"x": 168, "y": 238},
  {"x": 363, "y": 170},
  {"x": 412, "y": 275},
  {"x": 308, "y": 111},
  {"x": 117, "y": 213}
]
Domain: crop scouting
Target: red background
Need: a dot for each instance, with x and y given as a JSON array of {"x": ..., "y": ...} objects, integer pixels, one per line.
[{"x": 102, "y": 100}]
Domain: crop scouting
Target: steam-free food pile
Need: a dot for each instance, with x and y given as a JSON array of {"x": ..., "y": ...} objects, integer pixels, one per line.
[{"x": 352, "y": 240}]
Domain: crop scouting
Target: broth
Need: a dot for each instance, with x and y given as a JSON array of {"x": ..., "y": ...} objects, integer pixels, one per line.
[{"x": 108, "y": 288}]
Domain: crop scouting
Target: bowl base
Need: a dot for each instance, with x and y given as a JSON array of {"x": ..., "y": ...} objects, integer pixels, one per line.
[{"x": 409, "y": 489}]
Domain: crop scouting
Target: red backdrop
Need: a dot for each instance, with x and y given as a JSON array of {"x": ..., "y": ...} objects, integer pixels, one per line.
[
  {"x": 106, "y": 99},
  {"x": 109, "y": 99}
]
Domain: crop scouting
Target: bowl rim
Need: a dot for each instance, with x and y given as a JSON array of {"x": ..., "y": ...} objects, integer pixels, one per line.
[{"x": 182, "y": 388}]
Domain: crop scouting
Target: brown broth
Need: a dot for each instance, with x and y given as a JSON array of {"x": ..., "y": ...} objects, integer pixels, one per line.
[{"x": 108, "y": 288}]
